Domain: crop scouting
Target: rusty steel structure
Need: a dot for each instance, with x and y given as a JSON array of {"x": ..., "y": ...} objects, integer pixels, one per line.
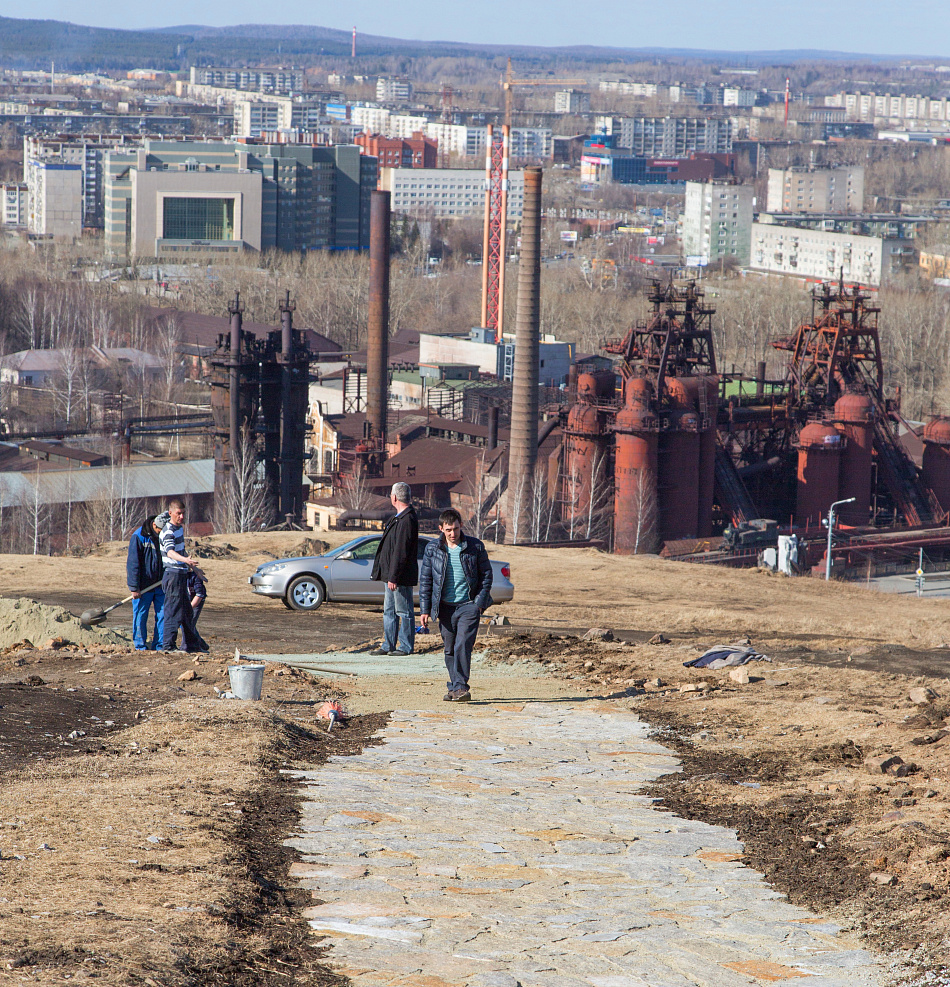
[
  {"x": 523, "y": 450},
  {"x": 259, "y": 407},
  {"x": 495, "y": 230},
  {"x": 665, "y": 448}
]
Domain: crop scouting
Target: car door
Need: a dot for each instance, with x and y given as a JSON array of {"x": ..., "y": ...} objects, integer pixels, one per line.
[{"x": 351, "y": 575}]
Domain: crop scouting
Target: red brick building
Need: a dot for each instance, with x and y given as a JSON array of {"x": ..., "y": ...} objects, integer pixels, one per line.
[{"x": 397, "y": 152}]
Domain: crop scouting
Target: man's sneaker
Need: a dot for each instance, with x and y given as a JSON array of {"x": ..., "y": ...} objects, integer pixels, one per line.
[
  {"x": 380, "y": 651},
  {"x": 457, "y": 696},
  {"x": 398, "y": 654}
]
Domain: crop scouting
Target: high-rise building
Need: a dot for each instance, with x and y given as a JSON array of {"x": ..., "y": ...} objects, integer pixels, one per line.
[
  {"x": 55, "y": 199},
  {"x": 446, "y": 193},
  {"x": 393, "y": 90},
  {"x": 275, "y": 80},
  {"x": 811, "y": 190},
  {"x": 717, "y": 221},
  {"x": 172, "y": 197}
]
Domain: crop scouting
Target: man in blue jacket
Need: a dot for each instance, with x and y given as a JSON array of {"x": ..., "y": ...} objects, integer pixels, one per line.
[
  {"x": 143, "y": 568},
  {"x": 455, "y": 589}
]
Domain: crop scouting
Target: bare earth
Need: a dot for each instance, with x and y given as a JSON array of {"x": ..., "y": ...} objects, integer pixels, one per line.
[{"x": 141, "y": 817}]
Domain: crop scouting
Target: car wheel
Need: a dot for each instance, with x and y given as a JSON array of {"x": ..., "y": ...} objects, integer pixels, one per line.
[{"x": 305, "y": 593}]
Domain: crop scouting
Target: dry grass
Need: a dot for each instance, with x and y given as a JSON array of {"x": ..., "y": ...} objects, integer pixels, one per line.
[{"x": 128, "y": 876}]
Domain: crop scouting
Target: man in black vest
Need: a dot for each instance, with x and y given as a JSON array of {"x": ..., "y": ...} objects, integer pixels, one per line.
[{"x": 397, "y": 565}]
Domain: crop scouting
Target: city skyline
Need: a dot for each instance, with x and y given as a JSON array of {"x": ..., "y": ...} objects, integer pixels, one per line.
[{"x": 845, "y": 27}]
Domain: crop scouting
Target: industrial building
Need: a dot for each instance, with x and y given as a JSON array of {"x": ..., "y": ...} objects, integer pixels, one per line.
[
  {"x": 717, "y": 221},
  {"x": 417, "y": 151},
  {"x": 169, "y": 197},
  {"x": 811, "y": 190},
  {"x": 446, "y": 193},
  {"x": 603, "y": 160},
  {"x": 863, "y": 249}
]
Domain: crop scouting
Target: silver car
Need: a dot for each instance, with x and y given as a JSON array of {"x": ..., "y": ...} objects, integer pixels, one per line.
[{"x": 343, "y": 576}]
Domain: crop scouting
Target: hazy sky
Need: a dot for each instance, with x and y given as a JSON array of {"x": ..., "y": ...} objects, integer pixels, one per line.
[{"x": 913, "y": 27}]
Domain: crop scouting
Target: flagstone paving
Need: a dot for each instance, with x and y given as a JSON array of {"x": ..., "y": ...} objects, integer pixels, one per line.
[{"x": 494, "y": 846}]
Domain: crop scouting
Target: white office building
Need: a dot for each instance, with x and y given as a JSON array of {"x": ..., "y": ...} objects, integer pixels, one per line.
[
  {"x": 446, "y": 193},
  {"x": 717, "y": 221}
]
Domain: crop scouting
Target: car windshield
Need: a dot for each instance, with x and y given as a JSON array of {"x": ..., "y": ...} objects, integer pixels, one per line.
[{"x": 351, "y": 545}]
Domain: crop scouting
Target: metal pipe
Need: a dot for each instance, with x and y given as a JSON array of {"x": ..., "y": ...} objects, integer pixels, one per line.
[
  {"x": 288, "y": 426},
  {"x": 493, "y": 427},
  {"x": 377, "y": 346},
  {"x": 760, "y": 380},
  {"x": 235, "y": 309},
  {"x": 523, "y": 448}
]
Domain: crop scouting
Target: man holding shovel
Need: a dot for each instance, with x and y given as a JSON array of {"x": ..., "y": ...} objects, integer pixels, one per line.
[
  {"x": 178, "y": 612},
  {"x": 143, "y": 569}
]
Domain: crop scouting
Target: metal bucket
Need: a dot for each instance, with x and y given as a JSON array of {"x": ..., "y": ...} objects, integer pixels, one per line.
[{"x": 246, "y": 681}]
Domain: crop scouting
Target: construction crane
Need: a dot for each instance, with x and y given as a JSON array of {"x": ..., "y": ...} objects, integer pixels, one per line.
[{"x": 496, "y": 205}]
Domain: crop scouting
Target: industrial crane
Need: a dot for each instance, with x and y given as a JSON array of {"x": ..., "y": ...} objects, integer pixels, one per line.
[{"x": 496, "y": 205}]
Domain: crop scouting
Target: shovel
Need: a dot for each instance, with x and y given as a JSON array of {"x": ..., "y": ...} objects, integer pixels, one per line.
[{"x": 91, "y": 618}]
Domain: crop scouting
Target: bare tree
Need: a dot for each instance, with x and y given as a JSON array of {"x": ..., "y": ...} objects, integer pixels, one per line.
[
  {"x": 646, "y": 513},
  {"x": 520, "y": 495},
  {"x": 247, "y": 504},
  {"x": 36, "y": 512}
]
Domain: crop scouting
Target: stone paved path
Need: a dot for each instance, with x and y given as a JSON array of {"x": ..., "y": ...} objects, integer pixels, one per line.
[{"x": 492, "y": 846}]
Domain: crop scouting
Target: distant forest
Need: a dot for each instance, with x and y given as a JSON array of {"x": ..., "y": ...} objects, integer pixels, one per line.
[{"x": 33, "y": 44}]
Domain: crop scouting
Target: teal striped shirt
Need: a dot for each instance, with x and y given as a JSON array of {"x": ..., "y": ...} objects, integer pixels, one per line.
[{"x": 455, "y": 587}]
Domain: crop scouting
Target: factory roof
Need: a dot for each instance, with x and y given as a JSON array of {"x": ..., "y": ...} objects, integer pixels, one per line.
[{"x": 140, "y": 480}]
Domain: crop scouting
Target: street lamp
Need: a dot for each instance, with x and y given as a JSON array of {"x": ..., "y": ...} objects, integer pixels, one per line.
[{"x": 831, "y": 523}]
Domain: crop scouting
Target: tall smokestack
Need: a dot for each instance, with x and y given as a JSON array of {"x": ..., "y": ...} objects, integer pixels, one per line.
[
  {"x": 353, "y": 52},
  {"x": 377, "y": 346},
  {"x": 291, "y": 467},
  {"x": 234, "y": 383},
  {"x": 493, "y": 427},
  {"x": 523, "y": 448}
]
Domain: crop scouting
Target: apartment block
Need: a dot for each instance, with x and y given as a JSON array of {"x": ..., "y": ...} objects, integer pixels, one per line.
[
  {"x": 276, "y": 80},
  {"x": 55, "y": 199},
  {"x": 661, "y": 137},
  {"x": 863, "y": 250},
  {"x": 15, "y": 202},
  {"x": 173, "y": 197},
  {"x": 389, "y": 90},
  {"x": 717, "y": 221},
  {"x": 571, "y": 101},
  {"x": 374, "y": 119},
  {"x": 816, "y": 190},
  {"x": 889, "y": 106},
  {"x": 253, "y": 118},
  {"x": 449, "y": 193}
]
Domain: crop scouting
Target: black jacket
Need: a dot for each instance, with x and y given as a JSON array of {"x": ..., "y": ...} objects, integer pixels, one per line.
[
  {"x": 144, "y": 564},
  {"x": 397, "y": 558},
  {"x": 475, "y": 564}
]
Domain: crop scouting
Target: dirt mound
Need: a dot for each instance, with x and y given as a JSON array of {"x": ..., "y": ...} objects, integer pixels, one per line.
[
  {"x": 199, "y": 549},
  {"x": 26, "y": 620},
  {"x": 309, "y": 546}
]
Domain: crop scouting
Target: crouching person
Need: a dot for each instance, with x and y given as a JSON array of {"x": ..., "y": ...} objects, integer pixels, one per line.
[{"x": 455, "y": 589}]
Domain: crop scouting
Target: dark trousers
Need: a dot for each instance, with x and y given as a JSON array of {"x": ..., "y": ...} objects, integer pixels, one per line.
[
  {"x": 458, "y": 623},
  {"x": 178, "y": 612}
]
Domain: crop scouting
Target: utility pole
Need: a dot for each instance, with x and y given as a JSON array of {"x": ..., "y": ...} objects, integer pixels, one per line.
[{"x": 831, "y": 523}]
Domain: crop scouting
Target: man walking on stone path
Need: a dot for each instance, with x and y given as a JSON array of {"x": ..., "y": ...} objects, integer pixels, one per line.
[
  {"x": 455, "y": 589},
  {"x": 397, "y": 565}
]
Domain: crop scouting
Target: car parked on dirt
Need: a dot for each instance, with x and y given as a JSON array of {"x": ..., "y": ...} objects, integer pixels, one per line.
[{"x": 343, "y": 576}]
